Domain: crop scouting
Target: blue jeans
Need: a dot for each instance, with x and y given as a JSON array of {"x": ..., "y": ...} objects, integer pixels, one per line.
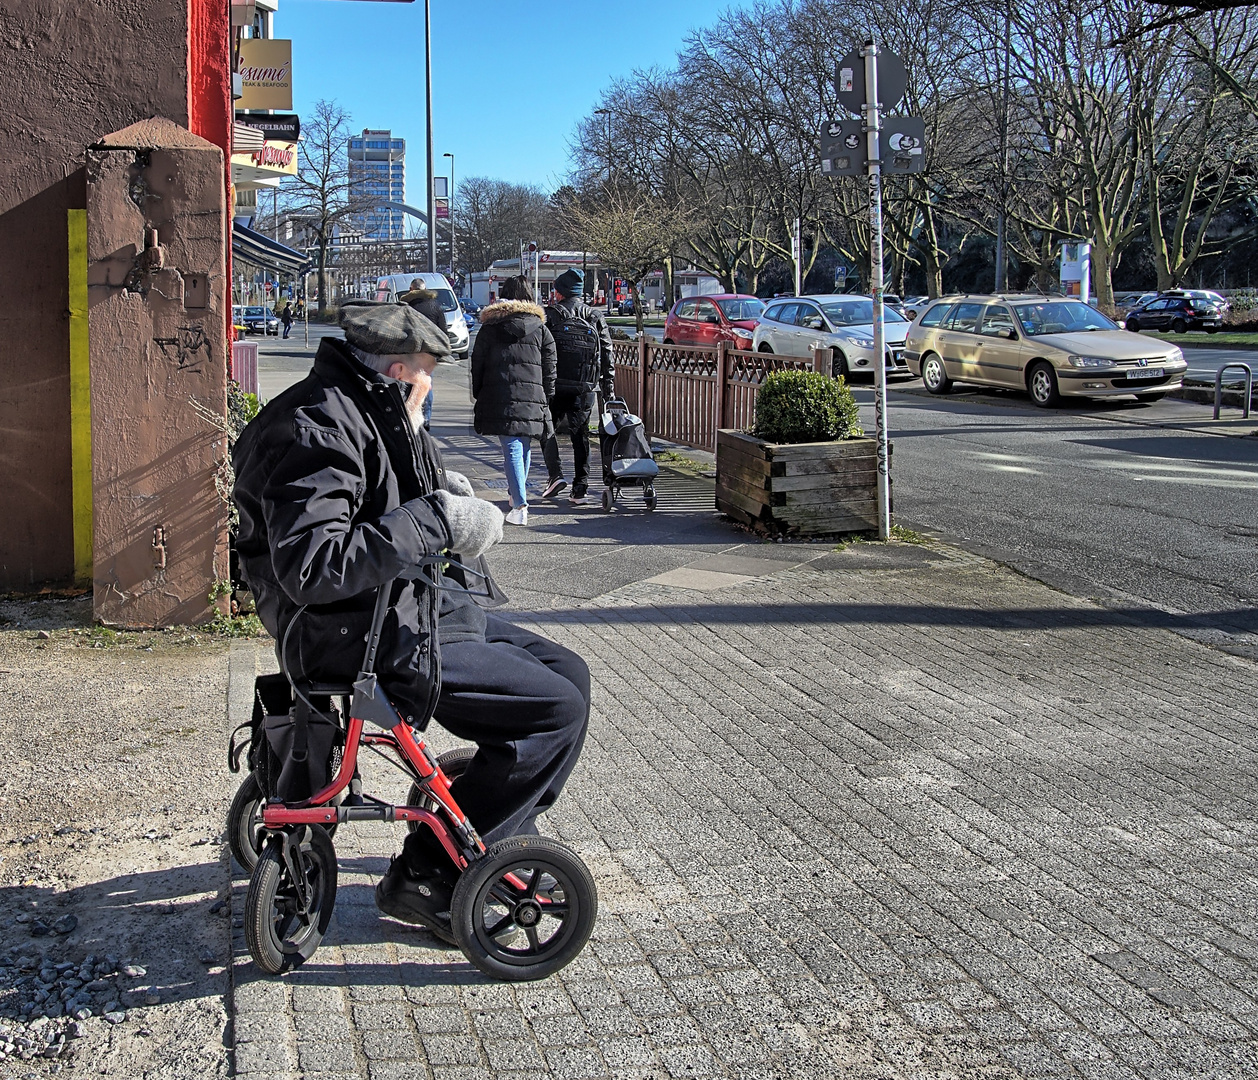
[{"x": 517, "y": 453}]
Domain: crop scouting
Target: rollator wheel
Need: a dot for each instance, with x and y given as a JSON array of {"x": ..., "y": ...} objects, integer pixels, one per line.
[
  {"x": 244, "y": 823},
  {"x": 282, "y": 929},
  {"x": 608, "y": 499},
  {"x": 453, "y": 763},
  {"x": 649, "y": 496},
  {"x": 524, "y": 909}
]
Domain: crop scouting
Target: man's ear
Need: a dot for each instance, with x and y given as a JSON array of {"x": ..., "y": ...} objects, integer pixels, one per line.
[{"x": 397, "y": 370}]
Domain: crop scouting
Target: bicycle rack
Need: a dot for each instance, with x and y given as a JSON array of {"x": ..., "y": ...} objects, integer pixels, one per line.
[{"x": 1218, "y": 388}]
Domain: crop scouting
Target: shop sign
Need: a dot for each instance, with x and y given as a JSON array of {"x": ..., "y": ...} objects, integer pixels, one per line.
[
  {"x": 278, "y": 127},
  {"x": 274, "y": 158},
  {"x": 266, "y": 71}
]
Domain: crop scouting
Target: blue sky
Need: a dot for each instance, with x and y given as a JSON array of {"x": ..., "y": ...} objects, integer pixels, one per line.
[{"x": 510, "y": 79}]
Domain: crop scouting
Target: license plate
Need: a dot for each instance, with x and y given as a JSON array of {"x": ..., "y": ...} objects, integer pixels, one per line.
[{"x": 1146, "y": 373}]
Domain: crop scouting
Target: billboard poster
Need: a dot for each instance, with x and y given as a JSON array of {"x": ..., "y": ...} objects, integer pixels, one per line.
[{"x": 266, "y": 74}]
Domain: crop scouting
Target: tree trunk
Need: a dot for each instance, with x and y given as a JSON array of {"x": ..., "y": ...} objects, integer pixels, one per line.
[
  {"x": 1103, "y": 274},
  {"x": 323, "y": 273},
  {"x": 637, "y": 305}
]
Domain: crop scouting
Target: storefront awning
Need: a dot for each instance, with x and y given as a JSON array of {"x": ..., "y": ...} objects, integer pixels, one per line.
[{"x": 261, "y": 250}]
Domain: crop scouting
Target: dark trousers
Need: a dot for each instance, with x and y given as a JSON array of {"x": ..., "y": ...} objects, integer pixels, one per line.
[
  {"x": 576, "y": 407},
  {"x": 525, "y": 702}
]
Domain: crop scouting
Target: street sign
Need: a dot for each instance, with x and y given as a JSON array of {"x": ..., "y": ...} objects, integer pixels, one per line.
[
  {"x": 840, "y": 278},
  {"x": 903, "y": 144},
  {"x": 843, "y": 149},
  {"x": 849, "y": 80}
]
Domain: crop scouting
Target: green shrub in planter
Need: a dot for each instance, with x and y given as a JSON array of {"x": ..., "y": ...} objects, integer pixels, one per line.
[{"x": 805, "y": 406}]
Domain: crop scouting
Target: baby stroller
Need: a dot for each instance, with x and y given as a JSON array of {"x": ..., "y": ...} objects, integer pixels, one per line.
[{"x": 627, "y": 460}]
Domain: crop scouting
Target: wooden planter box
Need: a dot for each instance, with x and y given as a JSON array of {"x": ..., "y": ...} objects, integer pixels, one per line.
[{"x": 805, "y": 488}]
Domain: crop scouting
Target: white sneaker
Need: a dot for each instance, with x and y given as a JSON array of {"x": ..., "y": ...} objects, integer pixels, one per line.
[{"x": 518, "y": 516}]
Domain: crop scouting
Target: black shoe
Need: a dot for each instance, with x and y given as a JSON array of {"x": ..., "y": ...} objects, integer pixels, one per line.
[
  {"x": 421, "y": 897},
  {"x": 577, "y": 498},
  {"x": 554, "y": 487}
]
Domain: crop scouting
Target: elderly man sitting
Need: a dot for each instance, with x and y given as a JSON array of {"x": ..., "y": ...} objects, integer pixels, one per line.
[{"x": 340, "y": 489}]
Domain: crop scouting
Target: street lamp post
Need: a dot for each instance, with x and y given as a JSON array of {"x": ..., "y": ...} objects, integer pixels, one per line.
[
  {"x": 607, "y": 113},
  {"x": 451, "y": 207},
  {"x": 432, "y": 202}
]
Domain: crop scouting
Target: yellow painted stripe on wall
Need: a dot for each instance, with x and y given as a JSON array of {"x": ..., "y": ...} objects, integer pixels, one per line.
[{"x": 80, "y": 399}]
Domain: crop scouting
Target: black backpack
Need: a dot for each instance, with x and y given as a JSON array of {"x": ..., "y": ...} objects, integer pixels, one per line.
[{"x": 577, "y": 347}]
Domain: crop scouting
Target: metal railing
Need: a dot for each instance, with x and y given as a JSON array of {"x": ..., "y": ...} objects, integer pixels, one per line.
[
  {"x": 685, "y": 393},
  {"x": 1218, "y": 388}
]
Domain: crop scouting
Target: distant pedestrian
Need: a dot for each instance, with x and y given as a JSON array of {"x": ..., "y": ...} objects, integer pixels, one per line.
[
  {"x": 584, "y": 361},
  {"x": 513, "y": 375},
  {"x": 425, "y": 301},
  {"x": 286, "y": 317}
]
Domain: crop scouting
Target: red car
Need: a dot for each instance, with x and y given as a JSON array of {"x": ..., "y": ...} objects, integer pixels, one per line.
[{"x": 706, "y": 320}]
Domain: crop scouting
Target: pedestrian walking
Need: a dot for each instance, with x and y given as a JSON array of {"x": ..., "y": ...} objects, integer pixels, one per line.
[
  {"x": 425, "y": 301},
  {"x": 583, "y": 347},
  {"x": 513, "y": 376},
  {"x": 286, "y": 317}
]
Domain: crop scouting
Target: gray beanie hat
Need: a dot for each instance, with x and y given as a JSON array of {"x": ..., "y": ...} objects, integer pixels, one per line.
[{"x": 391, "y": 330}]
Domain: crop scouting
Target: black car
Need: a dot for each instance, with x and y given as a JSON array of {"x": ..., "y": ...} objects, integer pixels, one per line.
[{"x": 1178, "y": 313}]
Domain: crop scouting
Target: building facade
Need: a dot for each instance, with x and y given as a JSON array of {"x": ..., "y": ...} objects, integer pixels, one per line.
[{"x": 377, "y": 173}]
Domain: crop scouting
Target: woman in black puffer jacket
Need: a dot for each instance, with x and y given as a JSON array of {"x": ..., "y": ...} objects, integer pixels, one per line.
[{"x": 513, "y": 376}]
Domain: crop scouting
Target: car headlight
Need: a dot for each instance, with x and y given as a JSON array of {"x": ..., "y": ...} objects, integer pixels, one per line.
[
  {"x": 860, "y": 342},
  {"x": 1175, "y": 355},
  {"x": 1090, "y": 361}
]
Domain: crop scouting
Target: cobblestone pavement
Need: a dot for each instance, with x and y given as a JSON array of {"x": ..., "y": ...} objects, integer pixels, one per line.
[{"x": 879, "y": 812}]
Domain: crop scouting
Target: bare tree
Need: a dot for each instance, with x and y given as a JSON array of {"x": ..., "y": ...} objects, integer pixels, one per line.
[
  {"x": 493, "y": 216},
  {"x": 630, "y": 230},
  {"x": 320, "y": 194}
]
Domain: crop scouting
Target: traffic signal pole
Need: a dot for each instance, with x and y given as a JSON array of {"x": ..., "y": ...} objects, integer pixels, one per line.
[{"x": 870, "y": 53}]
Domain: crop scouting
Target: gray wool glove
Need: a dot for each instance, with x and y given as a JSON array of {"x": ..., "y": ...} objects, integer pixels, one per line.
[
  {"x": 475, "y": 524},
  {"x": 458, "y": 484}
]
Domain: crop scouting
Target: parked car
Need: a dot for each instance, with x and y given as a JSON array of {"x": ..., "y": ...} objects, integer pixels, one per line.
[
  {"x": 260, "y": 320},
  {"x": 707, "y": 320},
  {"x": 1179, "y": 313},
  {"x": 625, "y": 307},
  {"x": 842, "y": 323},
  {"x": 392, "y": 286},
  {"x": 1208, "y": 295},
  {"x": 1049, "y": 347}
]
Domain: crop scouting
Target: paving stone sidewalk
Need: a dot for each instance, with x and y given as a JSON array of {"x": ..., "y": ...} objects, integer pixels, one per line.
[{"x": 879, "y": 812}]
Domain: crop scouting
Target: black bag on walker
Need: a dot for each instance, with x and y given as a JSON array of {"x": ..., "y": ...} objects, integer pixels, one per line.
[{"x": 295, "y": 750}]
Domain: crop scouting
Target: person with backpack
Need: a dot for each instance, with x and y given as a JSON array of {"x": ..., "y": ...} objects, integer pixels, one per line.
[
  {"x": 286, "y": 317},
  {"x": 513, "y": 374},
  {"x": 583, "y": 347}
]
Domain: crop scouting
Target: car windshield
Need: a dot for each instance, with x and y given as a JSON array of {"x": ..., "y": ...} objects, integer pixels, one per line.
[
  {"x": 446, "y": 298},
  {"x": 1061, "y": 317},
  {"x": 254, "y": 311},
  {"x": 858, "y": 313},
  {"x": 741, "y": 310}
]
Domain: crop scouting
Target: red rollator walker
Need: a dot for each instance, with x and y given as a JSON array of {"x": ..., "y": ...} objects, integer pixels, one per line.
[{"x": 523, "y": 907}]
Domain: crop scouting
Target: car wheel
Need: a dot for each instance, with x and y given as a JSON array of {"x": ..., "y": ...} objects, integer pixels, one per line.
[
  {"x": 1042, "y": 384},
  {"x": 669, "y": 341},
  {"x": 765, "y": 347},
  {"x": 934, "y": 376},
  {"x": 1179, "y": 326},
  {"x": 838, "y": 365},
  {"x": 1133, "y": 326}
]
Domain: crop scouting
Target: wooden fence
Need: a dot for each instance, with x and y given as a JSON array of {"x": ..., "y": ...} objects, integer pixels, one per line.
[{"x": 685, "y": 394}]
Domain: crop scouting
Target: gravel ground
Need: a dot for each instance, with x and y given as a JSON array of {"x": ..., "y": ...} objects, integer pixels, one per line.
[{"x": 112, "y": 867}]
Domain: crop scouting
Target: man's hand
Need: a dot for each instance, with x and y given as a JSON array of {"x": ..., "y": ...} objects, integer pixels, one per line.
[
  {"x": 458, "y": 484},
  {"x": 608, "y": 389},
  {"x": 475, "y": 524}
]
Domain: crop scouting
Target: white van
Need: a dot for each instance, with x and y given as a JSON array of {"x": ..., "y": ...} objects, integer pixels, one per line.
[{"x": 391, "y": 287}]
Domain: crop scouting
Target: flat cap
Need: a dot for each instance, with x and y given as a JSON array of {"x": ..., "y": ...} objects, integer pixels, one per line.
[{"x": 391, "y": 330}]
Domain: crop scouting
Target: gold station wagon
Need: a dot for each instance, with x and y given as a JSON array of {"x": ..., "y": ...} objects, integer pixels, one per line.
[{"x": 1051, "y": 347}]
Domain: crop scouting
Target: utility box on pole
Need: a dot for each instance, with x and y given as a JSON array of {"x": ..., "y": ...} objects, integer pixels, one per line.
[{"x": 157, "y": 313}]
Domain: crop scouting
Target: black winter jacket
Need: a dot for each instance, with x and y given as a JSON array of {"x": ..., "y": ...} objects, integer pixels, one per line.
[
  {"x": 513, "y": 369},
  {"x": 334, "y": 492}
]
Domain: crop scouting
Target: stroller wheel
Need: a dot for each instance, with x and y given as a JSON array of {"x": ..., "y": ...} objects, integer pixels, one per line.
[
  {"x": 525, "y": 909},
  {"x": 284, "y": 924},
  {"x": 608, "y": 499},
  {"x": 649, "y": 496},
  {"x": 454, "y": 764}
]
